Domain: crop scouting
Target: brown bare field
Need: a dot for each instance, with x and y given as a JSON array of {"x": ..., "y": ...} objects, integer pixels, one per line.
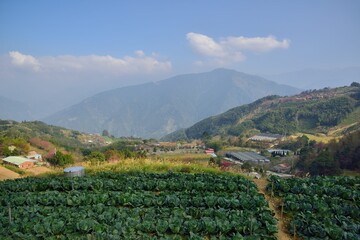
[{"x": 7, "y": 174}]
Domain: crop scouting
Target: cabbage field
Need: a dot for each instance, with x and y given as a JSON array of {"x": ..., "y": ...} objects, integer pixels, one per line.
[
  {"x": 320, "y": 207},
  {"x": 135, "y": 206}
]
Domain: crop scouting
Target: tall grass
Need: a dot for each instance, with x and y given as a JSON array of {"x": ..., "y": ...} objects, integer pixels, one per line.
[{"x": 153, "y": 165}]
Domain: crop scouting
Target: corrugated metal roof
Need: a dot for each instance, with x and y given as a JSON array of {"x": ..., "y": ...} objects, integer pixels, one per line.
[
  {"x": 17, "y": 160},
  {"x": 248, "y": 156}
]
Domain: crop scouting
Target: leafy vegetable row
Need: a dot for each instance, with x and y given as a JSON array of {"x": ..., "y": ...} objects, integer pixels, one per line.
[
  {"x": 128, "y": 182},
  {"x": 321, "y": 207},
  {"x": 135, "y": 206},
  {"x": 135, "y": 199},
  {"x": 48, "y": 221}
]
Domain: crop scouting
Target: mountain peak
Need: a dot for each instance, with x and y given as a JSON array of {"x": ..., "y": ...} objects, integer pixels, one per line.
[{"x": 154, "y": 110}]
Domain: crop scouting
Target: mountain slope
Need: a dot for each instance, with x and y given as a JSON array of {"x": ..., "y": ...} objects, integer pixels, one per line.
[
  {"x": 156, "y": 109},
  {"x": 311, "y": 111}
]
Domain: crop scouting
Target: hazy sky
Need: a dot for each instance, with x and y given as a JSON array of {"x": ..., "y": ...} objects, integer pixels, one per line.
[{"x": 71, "y": 49}]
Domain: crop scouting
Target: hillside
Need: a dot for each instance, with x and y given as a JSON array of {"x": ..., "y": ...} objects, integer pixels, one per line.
[
  {"x": 324, "y": 111},
  {"x": 36, "y": 130},
  {"x": 153, "y": 110}
]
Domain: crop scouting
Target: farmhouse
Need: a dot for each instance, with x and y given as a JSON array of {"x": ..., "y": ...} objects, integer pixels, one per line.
[
  {"x": 281, "y": 168},
  {"x": 20, "y": 162},
  {"x": 278, "y": 152},
  {"x": 266, "y": 137},
  {"x": 247, "y": 157},
  {"x": 209, "y": 151},
  {"x": 34, "y": 155}
]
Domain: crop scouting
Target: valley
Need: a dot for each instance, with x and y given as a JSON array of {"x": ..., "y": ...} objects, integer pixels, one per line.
[{"x": 318, "y": 124}]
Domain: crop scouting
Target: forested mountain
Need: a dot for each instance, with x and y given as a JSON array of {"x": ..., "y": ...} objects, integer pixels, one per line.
[
  {"x": 156, "y": 109},
  {"x": 311, "y": 111}
]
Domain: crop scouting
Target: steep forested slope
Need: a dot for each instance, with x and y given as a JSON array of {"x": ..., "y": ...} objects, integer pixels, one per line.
[{"x": 311, "y": 111}]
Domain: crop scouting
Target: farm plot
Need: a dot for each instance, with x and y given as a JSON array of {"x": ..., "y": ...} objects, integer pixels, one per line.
[
  {"x": 135, "y": 206},
  {"x": 320, "y": 207}
]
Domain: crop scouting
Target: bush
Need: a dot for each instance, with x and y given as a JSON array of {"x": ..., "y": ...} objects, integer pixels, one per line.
[{"x": 61, "y": 159}]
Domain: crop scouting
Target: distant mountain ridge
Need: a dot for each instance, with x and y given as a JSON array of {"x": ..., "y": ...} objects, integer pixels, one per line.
[
  {"x": 321, "y": 111},
  {"x": 153, "y": 110}
]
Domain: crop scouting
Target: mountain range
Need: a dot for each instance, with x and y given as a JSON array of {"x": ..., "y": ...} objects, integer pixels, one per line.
[
  {"x": 326, "y": 111},
  {"x": 152, "y": 110}
]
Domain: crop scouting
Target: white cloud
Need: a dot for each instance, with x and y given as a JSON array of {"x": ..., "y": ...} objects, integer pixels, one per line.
[
  {"x": 205, "y": 45},
  {"x": 257, "y": 44},
  {"x": 138, "y": 64},
  {"x": 231, "y": 49},
  {"x": 23, "y": 60}
]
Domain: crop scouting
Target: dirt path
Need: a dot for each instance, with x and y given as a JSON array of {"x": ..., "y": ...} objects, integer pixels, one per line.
[
  {"x": 7, "y": 174},
  {"x": 282, "y": 234}
]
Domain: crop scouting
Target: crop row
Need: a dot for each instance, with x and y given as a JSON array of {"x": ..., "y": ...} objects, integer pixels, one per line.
[
  {"x": 124, "y": 222},
  {"x": 137, "y": 182},
  {"x": 135, "y": 206},
  {"x": 321, "y": 207},
  {"x": 135, "y": 199}
]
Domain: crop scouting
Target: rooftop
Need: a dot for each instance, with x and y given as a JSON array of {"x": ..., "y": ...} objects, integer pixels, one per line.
[{"x": 17, "y": 160}]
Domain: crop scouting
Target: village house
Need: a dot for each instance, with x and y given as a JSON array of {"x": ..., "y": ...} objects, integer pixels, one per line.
[
  {"x": 281, "y": 168},
  {"x": 267, "y": 137},
  {"x": 34, "y": 155},
  {"x": 209, "y": 151},
  {"x": 246, "y": 157},
  {"x": 20, "y": 162}
]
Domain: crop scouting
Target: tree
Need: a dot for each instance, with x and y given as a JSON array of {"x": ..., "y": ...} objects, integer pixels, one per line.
[
  {"x": 325, "y": 164},
  {"x": 95, "y": 157},
  {"x": 247, "y": 166},
  {"x": 61, "y": 159},
  {"x": 355, "y": 84},
  {"x": 216, "y": 145},
  {"x": 105, "y": 133}
]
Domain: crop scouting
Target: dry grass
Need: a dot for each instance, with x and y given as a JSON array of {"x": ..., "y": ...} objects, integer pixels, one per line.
[{"x": 317, "y": 138}]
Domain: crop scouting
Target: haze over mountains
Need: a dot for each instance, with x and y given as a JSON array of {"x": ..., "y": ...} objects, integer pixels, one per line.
[
  {"x": 318, "y": 78},
  {"x": 153, "y": 110},
  {"x": 14, "y": 110}
]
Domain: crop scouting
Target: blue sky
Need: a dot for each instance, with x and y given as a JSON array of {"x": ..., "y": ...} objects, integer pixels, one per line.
[{"x": 106, "y": 44}]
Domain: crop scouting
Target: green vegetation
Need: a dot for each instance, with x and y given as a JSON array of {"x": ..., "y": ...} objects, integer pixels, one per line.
[
  {"x": 135, "y": 206},
  {"x": 61, "y": 159},
  {"x": 320, "y": 207},
  {"x": 328, "y": 159},
  {"x": 312, "y": 112}
]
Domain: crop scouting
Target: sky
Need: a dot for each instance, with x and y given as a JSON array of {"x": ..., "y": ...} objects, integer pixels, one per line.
[{"x": 54, "y": 53}]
